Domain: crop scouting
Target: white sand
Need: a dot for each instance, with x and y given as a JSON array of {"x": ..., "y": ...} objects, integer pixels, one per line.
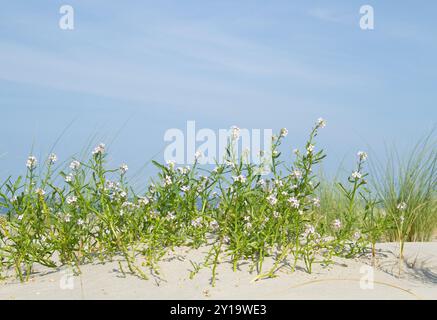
[{"x": 339, "y": 281}]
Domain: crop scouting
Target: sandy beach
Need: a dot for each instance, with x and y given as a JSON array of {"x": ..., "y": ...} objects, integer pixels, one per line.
[{"x": 418, "y": 279}]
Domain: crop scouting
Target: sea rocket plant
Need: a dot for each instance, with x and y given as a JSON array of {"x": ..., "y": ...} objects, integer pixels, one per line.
[{"x": 93, "y": 213}]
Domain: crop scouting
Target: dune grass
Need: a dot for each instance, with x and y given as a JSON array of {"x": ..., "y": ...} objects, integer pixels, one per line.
[
  {"x": 406, "y": 187},
  {"x": 58, "y": 216}
]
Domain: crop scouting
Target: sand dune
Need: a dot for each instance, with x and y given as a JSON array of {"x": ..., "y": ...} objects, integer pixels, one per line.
[{"x": 342, "y": 280}]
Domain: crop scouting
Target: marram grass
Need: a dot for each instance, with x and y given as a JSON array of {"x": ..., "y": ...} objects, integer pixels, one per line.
[{"x": 234, "y": 211}]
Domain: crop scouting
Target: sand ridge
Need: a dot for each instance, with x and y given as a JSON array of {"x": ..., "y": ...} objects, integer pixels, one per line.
[{"x": 342, "y": 280}]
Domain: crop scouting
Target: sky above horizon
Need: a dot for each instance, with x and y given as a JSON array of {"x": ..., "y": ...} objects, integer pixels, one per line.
[{"x": 131, "y": 70}]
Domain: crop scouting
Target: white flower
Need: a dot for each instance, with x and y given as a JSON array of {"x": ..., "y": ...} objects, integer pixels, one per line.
[
  {"x": 67, "y": 218},
  {"x": 272, "y": 199},
  {"x": 100, "y": 149},
  {"x": 20, "y": 217},
  {"x": 128, "y": 205},
  {"x": 167, "y": 180},
  {"x": 294, "y": 202},
  {"x": 124, "y": 168},
  {"x": 239, "y": 178},
  {"x": 171, "y": 216},
  {"x": 336, "y": 224},
  {"x": 362, "y": 155},
  {"x": 321, "y": 123},
  {"x": 197, "y": 222},
  {"x": 31, "y": 162},
  {"x": 401, "y": 206},
  {"x": 183, "y": 170},
  {"x": 356, "y": 175},
  {"x": 261, "y": 182},
  {"x": 226, "y": 239},
  {"x": 279, "y": 183},
  {"x": 69, "y": 178},
  {"x": 53, "y": 158},
  {"x": 284, "y": 132},
  {"x": 402, "y": 219},
  {"x": 214, "y": 224},
  {"x": 198, "y": 154},
  {"x": 80, "y": 222},
  {"x": 71, "y": 199},
  {"x": 309, "y": 230},
  {"x": 275, "y": 214},
  {"x": 143, "y": 201},
  {"x": 111, "y": 185},
  {"x": 310, "y": 148},
  {"x": 357, "y": 235},
  {"x": 296, "y": 174},
  {"x": 40, "y": 192},
  {"x": 171, "y": 163},
  {"x": 248, "y": 225},
  {"x": 229, "y": 164},
  {"x": 316, "y": 202},
  {"x": 107, "y": 231},
  {"x": 235, "y": 132},
  {"x": 75, "y": 165},
  {"x": 13, "y": 199},
  {"x": 152, "y": 189},
  {"x": 185, "y": 188}
]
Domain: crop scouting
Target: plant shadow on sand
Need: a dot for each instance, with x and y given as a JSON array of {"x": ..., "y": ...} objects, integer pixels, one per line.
[{"x": 413, "y": 267}]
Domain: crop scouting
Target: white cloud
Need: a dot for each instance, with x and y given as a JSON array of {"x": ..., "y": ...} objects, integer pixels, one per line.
[{"x": 333, "y": 16}]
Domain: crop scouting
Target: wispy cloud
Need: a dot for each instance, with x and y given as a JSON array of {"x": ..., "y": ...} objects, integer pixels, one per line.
[
  {"x": 333, "y": 15},
  {"x": 196, "y": 61},
  {"x": 251, "y": 63}
]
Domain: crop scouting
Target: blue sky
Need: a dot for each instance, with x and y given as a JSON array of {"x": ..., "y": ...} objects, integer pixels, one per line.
[{"x": 132, "y": 69}]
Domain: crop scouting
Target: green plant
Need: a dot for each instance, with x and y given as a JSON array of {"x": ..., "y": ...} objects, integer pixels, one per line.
[
  {"x": 407, "y": 191},
  {"x": 95, "y": 214}
]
